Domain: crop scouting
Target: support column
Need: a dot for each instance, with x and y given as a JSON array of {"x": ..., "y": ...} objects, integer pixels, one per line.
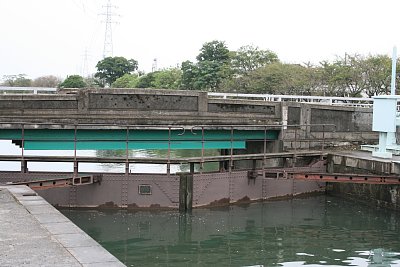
[
  {"x": 185, "y": 192},
  {"x": 382, "y": 153}
]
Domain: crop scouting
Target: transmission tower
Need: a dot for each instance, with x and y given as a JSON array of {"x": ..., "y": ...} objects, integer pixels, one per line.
[
  {"x": 154, "y": 66},
  {"x": 108, "y": 42},
  {"x": 85, "y": 66}
]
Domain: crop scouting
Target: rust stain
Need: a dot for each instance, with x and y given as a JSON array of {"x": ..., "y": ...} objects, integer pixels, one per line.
[
  {"x": 244, "y": 199},
  {"x": 153, "y": 207},
  {"x": 220, "y": 202},
  {"x": 132, "y": 206},
  {"x": 108, "y": 205}
]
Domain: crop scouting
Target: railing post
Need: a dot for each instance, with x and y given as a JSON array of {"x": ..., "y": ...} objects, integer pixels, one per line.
[
  {"x": 75, "y": 161},
  {"x": 169, "y": 152},
  {"x": 323, "y": 137},
  {"x": 202, "y": 150},
  {"x": 24, "y": 167},
  {"x": 231, "y": 152},
  {"x": 127, "y": 152}
]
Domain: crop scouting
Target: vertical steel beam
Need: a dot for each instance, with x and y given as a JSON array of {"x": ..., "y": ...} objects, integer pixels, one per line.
[
  {"x": 75, "y": 160},
  {"x": 24, "y": 167},
  {"x": 169, "y": 152}
]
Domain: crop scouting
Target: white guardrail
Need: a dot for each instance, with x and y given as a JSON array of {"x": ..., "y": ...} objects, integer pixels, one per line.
[
  {"x": 6, "y": 90},
  {"x": 326, "y": 100}
]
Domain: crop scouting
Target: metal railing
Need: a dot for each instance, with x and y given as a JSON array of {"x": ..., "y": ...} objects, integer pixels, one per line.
[
  {"x": 326, "y": 100},
  {"x": 191, "y": 131},
  {"x": 6, "y": 90}
]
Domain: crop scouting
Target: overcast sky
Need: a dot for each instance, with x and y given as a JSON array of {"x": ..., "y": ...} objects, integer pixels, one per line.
[{"x": 44, "y": 37}]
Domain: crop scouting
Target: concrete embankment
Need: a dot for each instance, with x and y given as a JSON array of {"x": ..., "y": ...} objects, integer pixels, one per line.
[
  {"x": 359, "y": 162},
  {"x": 34, "y": 233}
]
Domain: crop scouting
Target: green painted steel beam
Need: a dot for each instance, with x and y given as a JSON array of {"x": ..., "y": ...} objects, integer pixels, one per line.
[
  {"x": 116, "y": 145},
  {"x": 61, "y": 139}
]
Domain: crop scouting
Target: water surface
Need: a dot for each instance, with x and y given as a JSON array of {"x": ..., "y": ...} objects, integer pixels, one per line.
[{"x": 316, "y": 231}]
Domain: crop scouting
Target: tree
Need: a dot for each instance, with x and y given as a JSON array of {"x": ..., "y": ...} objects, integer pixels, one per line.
[
  {"x": 167, "y": 78},
  {"x": 146, "y": 81},
  {"x": 111, "y": 68},
  {"x": 73, "y": 81},
  {"x": 213, "y": 65},
  {"x": 46, "y": 81},
  {"x": 212, "y": 68},
  {"x": 378, "y": 70},
  {"x": 248, "y": 58},
  {"x": 190, "y": 73},
  {"x": 126, "y": 81},
  {"x": 19, "y": 80}
]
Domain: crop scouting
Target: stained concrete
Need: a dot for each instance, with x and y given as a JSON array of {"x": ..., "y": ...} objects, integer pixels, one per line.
[
  {"x": 362, "y": 162},
  {"x": 34, "y": 233}
]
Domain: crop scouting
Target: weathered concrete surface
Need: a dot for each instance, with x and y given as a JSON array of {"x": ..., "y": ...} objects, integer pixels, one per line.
[
  {"x": 33, "y": 233},
  {"x": 135, "y": 107},
  {"x": 360, "y": 162}
]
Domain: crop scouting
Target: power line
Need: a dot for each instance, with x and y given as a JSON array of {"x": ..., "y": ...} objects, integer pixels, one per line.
[{"x": 108, "y": 42}]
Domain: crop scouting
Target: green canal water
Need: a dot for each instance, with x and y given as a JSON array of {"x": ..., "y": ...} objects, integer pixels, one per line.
[{"x": 315, "y": 231}]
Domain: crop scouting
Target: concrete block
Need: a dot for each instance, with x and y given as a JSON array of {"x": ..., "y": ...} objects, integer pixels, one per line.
[
  {"x": 62, "y": 228},
  {"x": 75, "y": 240},
  {"x": 92, "y": 255},
  {"x": 51, "y": 218}
]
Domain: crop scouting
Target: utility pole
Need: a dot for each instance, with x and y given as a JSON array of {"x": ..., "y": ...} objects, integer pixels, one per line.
[{"x": 108, "y": 42}]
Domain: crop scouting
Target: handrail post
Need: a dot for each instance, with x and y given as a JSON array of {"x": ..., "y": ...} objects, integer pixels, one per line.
[
  {"x": 75, "y": 161},
  {"x": 127, "y": 152},
  {"x": 231, "y": 152},
  {"x": 323, "y": 137},
  {"x": 265, "y": 152},
  {"x": 169, "y": 152},
  {"x": 23, "y": 161},
  {"x": 202, "y": 150}
]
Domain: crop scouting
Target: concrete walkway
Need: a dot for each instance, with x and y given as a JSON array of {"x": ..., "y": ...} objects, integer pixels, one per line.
[{"x": 34, "y": 233}]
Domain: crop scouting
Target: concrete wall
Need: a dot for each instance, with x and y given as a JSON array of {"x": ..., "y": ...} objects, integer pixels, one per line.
[
  {"x": 136, "y": 107},
  {"x": 342, "y": 125},
  {"x": 383, "y": 195}
]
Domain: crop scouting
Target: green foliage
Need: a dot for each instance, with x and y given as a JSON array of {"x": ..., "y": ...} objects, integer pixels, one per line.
[
  {"x": 212, "y": 68},
  {"x": 249, "y": 58},
  {"x": 46, "y": 81},
  {"x": 111, "y": 68},
  {"x": 378, "y": 75},
  {"x": 167, "y": 79},
  {"x": 162, "y": 79},
  {"x": 355, "y": 75},
  {"x": 19, "y": 80},
  {"x": 146, "y": 81},
  {"x": 73, "y": 81},
  {"x": 92, "y": 82},
  {"x": 126, "y": 81},
  {"x": 214, "y": 51},
  {"x": 190, "y": 72}
]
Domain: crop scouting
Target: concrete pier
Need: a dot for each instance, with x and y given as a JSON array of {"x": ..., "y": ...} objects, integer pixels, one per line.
[{"x": 34, "y": 233}]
